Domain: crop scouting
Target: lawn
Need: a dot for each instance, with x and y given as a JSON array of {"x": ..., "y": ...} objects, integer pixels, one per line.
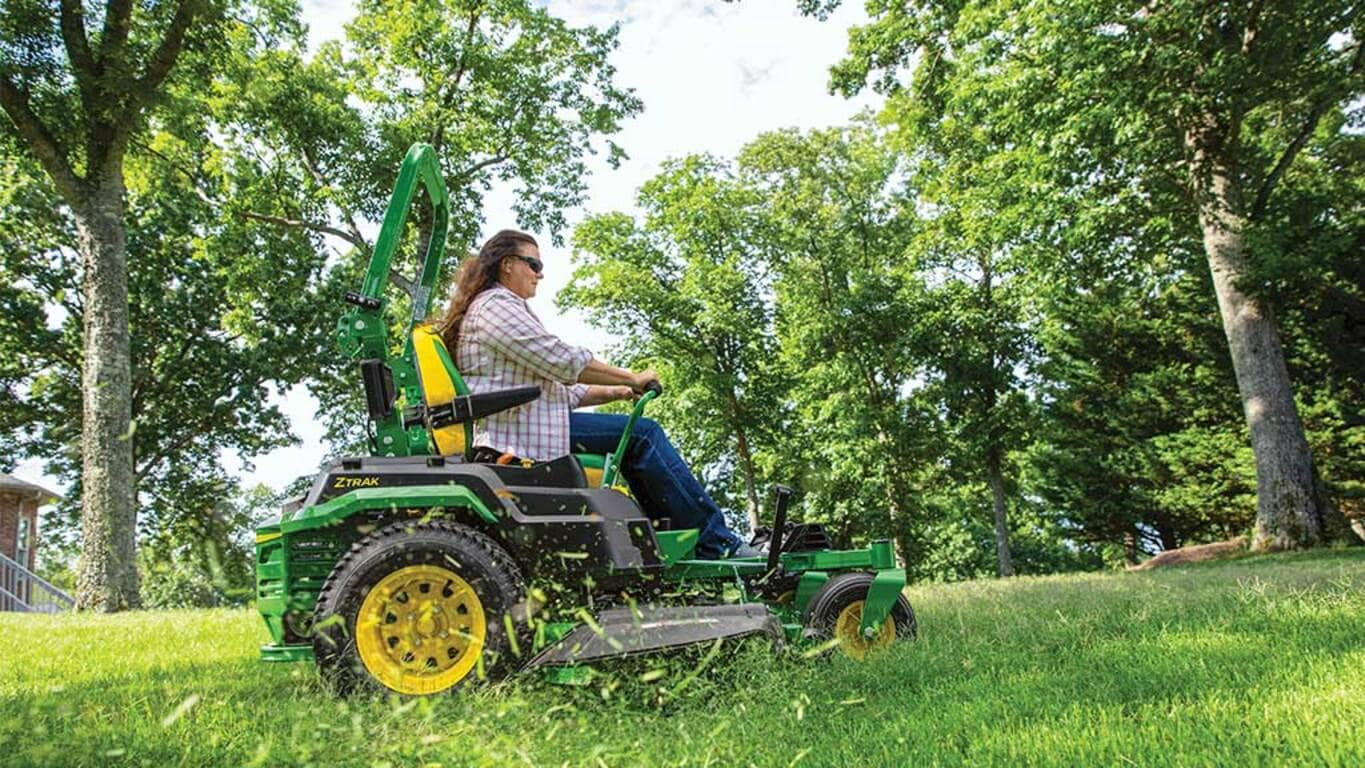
[{"x": 1246, "y": 662}]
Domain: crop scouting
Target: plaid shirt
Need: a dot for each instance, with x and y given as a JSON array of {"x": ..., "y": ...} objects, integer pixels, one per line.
[{"x": 503, "y": 344}]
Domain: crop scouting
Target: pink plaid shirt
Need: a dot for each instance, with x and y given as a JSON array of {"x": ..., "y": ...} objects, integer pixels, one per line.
[{"x": 503, "y": 344}]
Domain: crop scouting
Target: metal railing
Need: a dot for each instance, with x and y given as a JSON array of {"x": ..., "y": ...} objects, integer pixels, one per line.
[{"x": 24, "y": 590}]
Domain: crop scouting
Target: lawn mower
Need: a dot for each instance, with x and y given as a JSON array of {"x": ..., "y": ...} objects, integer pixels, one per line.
[{"x": 418, "y": 569}]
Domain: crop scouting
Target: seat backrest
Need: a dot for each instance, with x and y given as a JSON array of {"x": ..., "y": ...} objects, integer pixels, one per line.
[{"x": 441, "y": 382}]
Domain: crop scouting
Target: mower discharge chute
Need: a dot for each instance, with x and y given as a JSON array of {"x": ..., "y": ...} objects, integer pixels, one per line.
[{"x": 417, "y": 569}]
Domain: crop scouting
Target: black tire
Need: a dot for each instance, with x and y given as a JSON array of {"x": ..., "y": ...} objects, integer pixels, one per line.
[
  {"x": 838, "y": 594},
  {"x": 485, "y": 566}
]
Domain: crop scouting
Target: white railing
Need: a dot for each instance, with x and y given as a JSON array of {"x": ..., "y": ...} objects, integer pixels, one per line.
[{"x": 24, "y": 590}]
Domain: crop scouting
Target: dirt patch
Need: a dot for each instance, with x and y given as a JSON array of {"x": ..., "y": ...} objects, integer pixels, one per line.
[{"x": 1194, "y": 554}]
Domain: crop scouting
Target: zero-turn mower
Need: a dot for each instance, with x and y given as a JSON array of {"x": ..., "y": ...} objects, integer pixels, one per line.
[{"x": 418, "y": 569}]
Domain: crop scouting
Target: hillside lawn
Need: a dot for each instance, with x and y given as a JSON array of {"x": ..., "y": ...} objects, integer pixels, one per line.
[{"x": 1253, "y": 661}]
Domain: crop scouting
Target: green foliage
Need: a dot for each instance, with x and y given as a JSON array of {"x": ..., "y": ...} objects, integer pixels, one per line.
[
  {"x": 258, "y": 160},
  {"x": 682, "y": 291},
  {"x": 831, "y": 202},
  {"x": 504, "y": 91},
  {"x": 220, "y": 314},
  {"x": 1072, "y": 140},
  {"x": 1095, "y": 669}
]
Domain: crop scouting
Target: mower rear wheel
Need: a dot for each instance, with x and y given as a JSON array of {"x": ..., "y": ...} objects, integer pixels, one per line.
[
  {"x": 836, "y": 611},
  {"x": 418, "y": 609}
]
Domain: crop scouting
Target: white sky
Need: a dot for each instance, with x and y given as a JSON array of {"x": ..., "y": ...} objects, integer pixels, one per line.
[{"x": 712, "y": 76}]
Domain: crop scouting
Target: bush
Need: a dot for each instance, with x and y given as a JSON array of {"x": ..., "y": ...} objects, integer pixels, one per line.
[{"x": 182, "y": 585}]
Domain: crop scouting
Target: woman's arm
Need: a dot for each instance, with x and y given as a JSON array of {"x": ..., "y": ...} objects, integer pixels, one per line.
[
  {"x": 598, "y": 372},
  {"x": 598, "y": 394}
]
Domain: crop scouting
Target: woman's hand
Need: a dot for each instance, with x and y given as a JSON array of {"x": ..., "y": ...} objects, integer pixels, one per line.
[{"x": 642, "y": 379}]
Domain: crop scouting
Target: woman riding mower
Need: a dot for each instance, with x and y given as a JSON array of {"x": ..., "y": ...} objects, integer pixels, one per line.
[{"x": 499, "y": 343}]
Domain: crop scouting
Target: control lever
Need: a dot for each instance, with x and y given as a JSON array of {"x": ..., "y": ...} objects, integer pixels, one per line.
[{"x": 781, "y": 495}]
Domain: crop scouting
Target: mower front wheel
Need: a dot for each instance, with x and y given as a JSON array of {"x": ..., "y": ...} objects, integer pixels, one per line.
[
  {"x": 836, "y": 611},
  {"x": 418, "y": 609}
]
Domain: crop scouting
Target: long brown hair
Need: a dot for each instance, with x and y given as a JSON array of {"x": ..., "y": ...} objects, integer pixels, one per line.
[{"x": 477, "y": 274}]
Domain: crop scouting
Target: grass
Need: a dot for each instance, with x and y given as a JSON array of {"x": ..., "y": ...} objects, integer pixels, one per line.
[{"x": 1255, "y": 661}]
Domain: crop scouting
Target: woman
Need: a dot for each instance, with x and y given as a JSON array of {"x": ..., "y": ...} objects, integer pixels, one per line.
[{"x": 499, "y": 343}]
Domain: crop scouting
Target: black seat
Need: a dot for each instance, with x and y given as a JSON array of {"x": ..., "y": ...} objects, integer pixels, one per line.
[{"x": 563, "y": 472}]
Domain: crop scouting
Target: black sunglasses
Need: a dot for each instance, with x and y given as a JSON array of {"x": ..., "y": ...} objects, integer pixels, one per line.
[{"x": 535, "y": 264}]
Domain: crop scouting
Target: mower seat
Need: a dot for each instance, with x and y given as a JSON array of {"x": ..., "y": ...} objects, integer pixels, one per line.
[{"x": 441, "y": 382}]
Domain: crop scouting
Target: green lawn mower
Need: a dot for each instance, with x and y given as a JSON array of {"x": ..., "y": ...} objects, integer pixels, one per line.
[{"x": 418, "y": 569}]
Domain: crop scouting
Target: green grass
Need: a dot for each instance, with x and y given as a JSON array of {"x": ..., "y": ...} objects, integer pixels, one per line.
[{"x": 1247, "y": 662}]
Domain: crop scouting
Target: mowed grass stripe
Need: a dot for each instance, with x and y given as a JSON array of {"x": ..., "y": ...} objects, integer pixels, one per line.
[{"x": 1253, "y": 661}]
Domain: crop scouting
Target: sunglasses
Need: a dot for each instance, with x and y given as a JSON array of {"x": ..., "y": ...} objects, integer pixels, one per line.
[{"x": 535, "y": 264}]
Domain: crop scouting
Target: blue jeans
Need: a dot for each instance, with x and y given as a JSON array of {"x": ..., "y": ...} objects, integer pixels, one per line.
[{"x": 659, "y": 479}]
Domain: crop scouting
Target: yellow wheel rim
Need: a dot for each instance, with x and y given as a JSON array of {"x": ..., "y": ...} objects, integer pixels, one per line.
[
  {"x": 420, "y": 629},
  {"x": 851, "y": 639}
]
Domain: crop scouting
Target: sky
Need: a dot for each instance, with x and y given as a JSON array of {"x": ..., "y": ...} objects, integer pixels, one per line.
[{"x": 712, "y": 76}]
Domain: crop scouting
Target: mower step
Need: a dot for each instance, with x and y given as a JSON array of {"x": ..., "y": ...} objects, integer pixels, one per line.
[{"x": 621, "y": 632}]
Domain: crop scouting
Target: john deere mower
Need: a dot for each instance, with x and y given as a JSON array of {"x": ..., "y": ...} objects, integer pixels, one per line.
[{"x": 418, "y": 569}]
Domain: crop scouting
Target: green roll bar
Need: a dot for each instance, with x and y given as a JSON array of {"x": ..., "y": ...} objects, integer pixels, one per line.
[{"x": 362, "y": 332}]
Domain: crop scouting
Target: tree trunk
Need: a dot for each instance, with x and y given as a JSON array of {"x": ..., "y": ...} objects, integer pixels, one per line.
[
  {"x": 1167, "y": 534},
  {"x": 107, "y": 578},
  {"x": 896, "y": 494},
  {"x": 1288, "y": 514},
  {"x": 746, "y": 459},
  {"x": 746, "y": 464},
  {"x": 990, "y": 389},
  {"x": 1002, "y": 533},
  {"x": 1130, "y": 549}
]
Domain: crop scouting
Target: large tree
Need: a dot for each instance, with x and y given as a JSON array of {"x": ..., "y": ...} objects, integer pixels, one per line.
[
  {"x": 256, "y": 160},
  {"x": 505, "y": 91},
  {"x": 684, "y": 288},
  {"x": 853, "y": 442},
  {"x": 221, "y": 312},
  {"x": 1216, "y": 99},
  {"x": 77, "y": 82}
]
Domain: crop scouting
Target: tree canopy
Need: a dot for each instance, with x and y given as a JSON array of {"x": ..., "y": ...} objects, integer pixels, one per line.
[{"x": 1085, "y": 285}]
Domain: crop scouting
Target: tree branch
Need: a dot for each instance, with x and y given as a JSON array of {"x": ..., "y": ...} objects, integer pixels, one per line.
[
  {"x": 163, "y": 58},
  {"x": 281, "y": 221},
  {"x": 1253, "y": 27},
  {"x": 116, "y": 17},
  {"x": 475, "y": 168},
  {"x": 78, "y": 50},
  {"x": 448, "y": 101},
  {"x": 346, "y": 212},
  {"x": 40, "y": 141},
  {"x": 404, "y": 284},
  {"x": 1310, "y": 124},
  {"x": 178, "y": 168}
]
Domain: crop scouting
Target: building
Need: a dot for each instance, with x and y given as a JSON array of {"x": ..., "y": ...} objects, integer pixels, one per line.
[
  {"x": 20, "y": 588},
  {"x": 19, "y": 502}
]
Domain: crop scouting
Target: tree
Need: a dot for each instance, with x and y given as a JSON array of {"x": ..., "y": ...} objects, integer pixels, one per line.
[
  {"x": 503, "y": 90},
  {"x": 218, "y": 308},
  {"x": 683, "y": 288},
  {"x": 832, "y": 204},
  {"x": 232, "y": 291},
  {"x": 1214, "y": 99},
  {"x": 1137, "y": 450},
  {"x": 75, "y": 100}
]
